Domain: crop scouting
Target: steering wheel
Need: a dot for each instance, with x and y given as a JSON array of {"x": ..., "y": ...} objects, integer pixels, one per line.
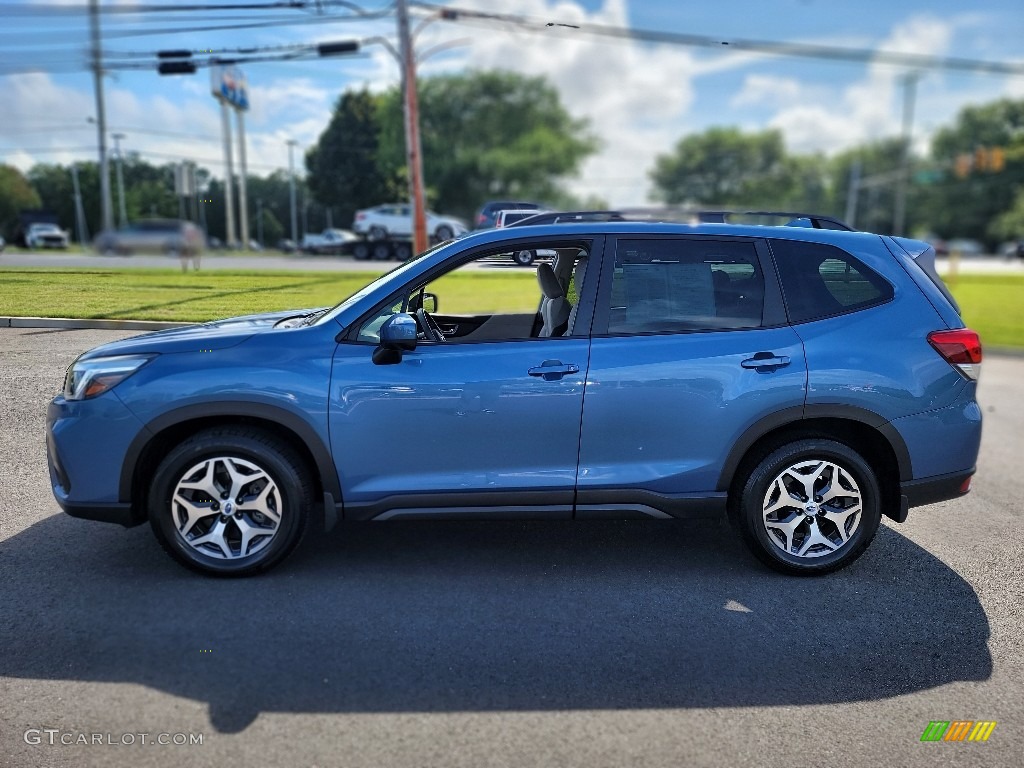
[{"x": 430, "y": 328}]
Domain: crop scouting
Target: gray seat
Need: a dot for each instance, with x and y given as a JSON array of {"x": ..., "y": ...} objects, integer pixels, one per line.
[{"x": 554, "y": 307}]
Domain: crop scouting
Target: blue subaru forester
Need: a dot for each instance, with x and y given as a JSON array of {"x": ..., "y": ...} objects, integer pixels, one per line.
[{"x": 804, "y": 381}]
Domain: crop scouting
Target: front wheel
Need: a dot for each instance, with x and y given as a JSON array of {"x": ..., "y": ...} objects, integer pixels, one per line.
[
  {"x": 809, "y": 507},
  {"x": 444, "y": 232},
  {"x": 230, "y": 501}
]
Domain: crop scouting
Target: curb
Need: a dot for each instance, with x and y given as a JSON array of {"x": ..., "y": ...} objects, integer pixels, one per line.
[{"x": 74, "y": 324}]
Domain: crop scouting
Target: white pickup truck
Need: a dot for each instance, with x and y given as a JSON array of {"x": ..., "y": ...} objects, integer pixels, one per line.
[{"x": 330, "y": 241}]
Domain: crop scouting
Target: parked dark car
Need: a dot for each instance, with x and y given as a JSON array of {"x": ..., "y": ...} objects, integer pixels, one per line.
[
  {"x": 803, "y": 382},
  {"x": 486, "y": 218}
]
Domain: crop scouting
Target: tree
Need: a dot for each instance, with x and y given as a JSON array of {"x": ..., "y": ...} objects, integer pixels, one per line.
[
  {"x": 16, "y": 195},
  {"x": 343, "y": 168},
  {"x": 969, "y": 204},
  {"x": 483, "y": 135},
  {"x": 876, "y": 196},
  {"x": 727, "y": 167},
  {"x": 488, "y": 135}
]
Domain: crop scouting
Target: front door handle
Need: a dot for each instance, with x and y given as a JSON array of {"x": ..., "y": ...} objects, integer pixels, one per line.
[
  {"x": 765, "y": 361},
  {"x": 553, "y": 370}
]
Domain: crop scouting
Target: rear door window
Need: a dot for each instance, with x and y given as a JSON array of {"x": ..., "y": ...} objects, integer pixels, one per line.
[
  {"x": 821, "y": 280},
  {"x": 668, "y": 285}
]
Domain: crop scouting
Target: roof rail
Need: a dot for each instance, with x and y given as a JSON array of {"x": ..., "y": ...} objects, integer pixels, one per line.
[{"x": 678, "y": 215}]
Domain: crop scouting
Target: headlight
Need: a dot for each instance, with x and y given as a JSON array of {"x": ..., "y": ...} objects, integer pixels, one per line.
[{"x": 89, "y": 378}]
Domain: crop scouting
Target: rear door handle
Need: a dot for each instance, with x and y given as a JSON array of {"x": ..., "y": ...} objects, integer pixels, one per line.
[
  {"x": 553, "y": 370},
  {"x": 765, "y": 361}
]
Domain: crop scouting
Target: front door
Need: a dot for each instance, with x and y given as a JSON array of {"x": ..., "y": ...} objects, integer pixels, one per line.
[{"x": 484, "y": 424}]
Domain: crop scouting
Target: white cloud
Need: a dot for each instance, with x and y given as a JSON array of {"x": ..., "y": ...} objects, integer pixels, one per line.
[{"x": 767, "y": 89}]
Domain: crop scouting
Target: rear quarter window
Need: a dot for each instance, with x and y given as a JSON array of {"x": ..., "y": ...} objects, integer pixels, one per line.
[{"x": 822, "y": 281}]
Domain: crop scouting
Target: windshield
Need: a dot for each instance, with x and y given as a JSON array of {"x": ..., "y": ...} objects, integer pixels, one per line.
[{"x": 394, "y": 275}]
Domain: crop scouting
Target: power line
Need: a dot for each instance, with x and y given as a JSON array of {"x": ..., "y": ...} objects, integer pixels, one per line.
[{"x": 801, "y": 50}]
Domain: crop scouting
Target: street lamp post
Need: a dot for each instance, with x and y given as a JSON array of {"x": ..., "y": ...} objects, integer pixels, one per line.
[
  {"x": 259, "y": 221},
  {"x": 122, "y": 213},
  {"x": 291, "y": 192}
]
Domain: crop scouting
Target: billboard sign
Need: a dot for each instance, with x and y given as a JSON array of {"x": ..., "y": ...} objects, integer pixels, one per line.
[{"x": 228, "y": 83}]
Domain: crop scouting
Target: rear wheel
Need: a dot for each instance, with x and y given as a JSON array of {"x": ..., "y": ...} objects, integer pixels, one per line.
[
  {"x": 377, "y": 233},
  {"x": 230, "y": 501},
  {"x": 361, "y": 251},
  {"x": 444, "y": 232},
  {"x": 809, "y": 507},
  {"x": 523, "y": 258},
  {"x": 381, "y": 251}
]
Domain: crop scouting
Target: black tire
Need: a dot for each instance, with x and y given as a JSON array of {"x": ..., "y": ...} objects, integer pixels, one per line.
[
  {"x": 524, "y": 258},
  {"x": 377, "y": 233},
  {"x": 381, "y": 251},
  {"x": 747, "y": 508},
  {"x": 361, "y": 251},
  {"x": 280, "y": 463},
  {"x": 444, "y": 232},
  {"x": 402, "y": 252}
]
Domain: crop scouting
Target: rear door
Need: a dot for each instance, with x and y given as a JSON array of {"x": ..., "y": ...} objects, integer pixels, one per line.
[{"x": 690, "y": 348}]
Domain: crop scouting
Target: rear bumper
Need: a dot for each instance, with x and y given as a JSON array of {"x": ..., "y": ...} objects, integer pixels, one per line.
[{"x": 931, "y": 490}]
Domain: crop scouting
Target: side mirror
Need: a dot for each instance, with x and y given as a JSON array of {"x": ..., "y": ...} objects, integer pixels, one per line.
[
  {"x": 428, "y": 302},
  {"x": 398, "y": 333}
]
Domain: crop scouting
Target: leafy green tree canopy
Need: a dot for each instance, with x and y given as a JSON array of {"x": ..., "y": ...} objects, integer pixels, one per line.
[
  {"x": 16, "y": 195},
  {"x": 343, "y": 167},
  {"x": 722, "y": 166},
  {"x": 483, "y": 135}
]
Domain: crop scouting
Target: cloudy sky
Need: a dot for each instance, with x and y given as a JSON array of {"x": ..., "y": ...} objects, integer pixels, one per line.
[{"x": 639, "y": 97}]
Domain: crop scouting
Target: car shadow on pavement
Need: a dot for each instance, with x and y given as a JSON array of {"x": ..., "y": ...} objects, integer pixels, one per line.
[{"x": 472, "y": 616}]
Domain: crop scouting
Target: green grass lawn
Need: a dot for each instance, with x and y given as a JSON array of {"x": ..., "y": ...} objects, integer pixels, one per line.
[
  {"x": 993, "y": 305},
  {"x": 158, "y": 294}
]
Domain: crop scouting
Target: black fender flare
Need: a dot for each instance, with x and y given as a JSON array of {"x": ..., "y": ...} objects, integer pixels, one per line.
[
  {"x": 796, "y": 414},
  {"x": 232, "y": 408}
]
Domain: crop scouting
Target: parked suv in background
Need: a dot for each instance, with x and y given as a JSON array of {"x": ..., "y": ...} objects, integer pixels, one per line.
[
  {"x": 803, "y": 381},
  {"x": 510, "y": 216},
  {"x": 487, "y": 217}
]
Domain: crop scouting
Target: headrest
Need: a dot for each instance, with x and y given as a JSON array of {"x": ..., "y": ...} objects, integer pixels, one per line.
[{"x": 549, "y": 285}]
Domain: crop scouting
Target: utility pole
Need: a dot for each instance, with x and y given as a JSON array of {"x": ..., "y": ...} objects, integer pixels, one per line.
[
  {"x": 291, "y": 192},
  {"x": 899, "y": 215},
  {"x": 83, "y": 231},
  {"x": 229, "y": 176},
  {"x": 259, "y": 221},
  {"x": 101, "y": 114},
  {"x": 243, "y": 203},
  {"x": 853, "y": 192},
  {"x": 414, "y": 158},
  {"x": 123, "y": 216}
]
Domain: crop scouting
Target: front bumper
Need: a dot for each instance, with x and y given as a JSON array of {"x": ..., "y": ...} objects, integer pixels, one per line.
[{"x": 86, "y": 444}]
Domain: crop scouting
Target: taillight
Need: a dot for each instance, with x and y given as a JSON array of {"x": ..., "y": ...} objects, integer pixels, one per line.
[
  {"x": 961, "y": 348},
  {"x": 360, "y": 215},
  {"x": 481, "y": 219}
]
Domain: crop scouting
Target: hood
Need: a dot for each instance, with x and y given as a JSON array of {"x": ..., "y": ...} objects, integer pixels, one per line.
[{"x": 219, "y": 334}]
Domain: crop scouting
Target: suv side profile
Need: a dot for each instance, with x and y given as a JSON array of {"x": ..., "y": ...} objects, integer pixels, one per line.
[{"x": 802, "y": 381}]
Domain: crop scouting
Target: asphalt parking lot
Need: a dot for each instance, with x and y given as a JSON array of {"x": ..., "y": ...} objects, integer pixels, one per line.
[{"x": 506, "y": 644}]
